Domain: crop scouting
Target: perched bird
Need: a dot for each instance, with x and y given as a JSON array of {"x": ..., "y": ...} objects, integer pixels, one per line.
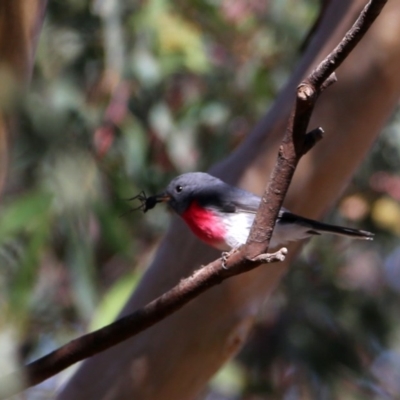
[{"x": 221, "y": 215}]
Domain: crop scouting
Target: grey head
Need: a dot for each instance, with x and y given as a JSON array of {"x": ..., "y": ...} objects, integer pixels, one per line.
[
  {"x": 199, "y": 186},
  {"x": 208, "y": 191}
]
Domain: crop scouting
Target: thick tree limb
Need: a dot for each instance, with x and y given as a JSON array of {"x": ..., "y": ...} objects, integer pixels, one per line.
[
  {"x": 294, "y": 144},
  {"x": 196, "y": 340}
]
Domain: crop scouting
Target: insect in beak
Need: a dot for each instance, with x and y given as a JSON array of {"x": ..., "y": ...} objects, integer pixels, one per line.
[{"x": 147, "y": 203}]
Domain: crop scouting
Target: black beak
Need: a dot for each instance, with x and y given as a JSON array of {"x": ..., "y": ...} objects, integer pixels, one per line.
[{"x": 161, "y": 198}]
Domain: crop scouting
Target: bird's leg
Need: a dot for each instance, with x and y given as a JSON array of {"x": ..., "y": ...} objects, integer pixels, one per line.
[{"x": 225, "y": 255}]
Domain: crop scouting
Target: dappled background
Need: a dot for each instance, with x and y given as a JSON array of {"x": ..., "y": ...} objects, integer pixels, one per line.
[{"x": 125, "y": 96}]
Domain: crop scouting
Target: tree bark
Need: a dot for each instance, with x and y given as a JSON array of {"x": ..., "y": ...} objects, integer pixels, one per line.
[
  {"x": 20, "y": 25},
  {"x": 175, "y": 358}
]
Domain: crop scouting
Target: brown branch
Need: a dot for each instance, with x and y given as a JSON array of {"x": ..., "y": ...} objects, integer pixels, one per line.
[
  {"x": 294, "y": 144},
  {"x": 126, "y": 327},
  {"x": 351, "y": 39},
  {"x": 215, "y": 325}
]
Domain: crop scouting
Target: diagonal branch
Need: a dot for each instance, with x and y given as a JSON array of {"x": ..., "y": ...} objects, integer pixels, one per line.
[
  {"x": 294, "y": 144},
  {"x": 92, "y": 343},
  {"x": 349, "y": 42}
]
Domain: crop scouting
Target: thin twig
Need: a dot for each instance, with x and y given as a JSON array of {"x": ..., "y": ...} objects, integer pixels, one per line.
[
  {"x": 348, "y": 43},
  {"x": 312, "y": 138},
  {"x": 294, "y": 143}
]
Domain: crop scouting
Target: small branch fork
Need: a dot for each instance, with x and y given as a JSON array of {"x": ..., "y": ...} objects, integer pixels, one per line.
[{"x": 296, "y": 142}]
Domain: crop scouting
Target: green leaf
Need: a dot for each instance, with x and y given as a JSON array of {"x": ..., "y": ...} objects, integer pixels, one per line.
[{"x": 24, "y": 213}]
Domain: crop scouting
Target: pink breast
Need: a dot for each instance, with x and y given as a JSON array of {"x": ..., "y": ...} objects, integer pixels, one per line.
[{"x": 204, "y": 224}]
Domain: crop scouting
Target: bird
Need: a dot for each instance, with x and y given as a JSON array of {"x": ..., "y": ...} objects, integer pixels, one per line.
[{"x": 221, "y": 215}]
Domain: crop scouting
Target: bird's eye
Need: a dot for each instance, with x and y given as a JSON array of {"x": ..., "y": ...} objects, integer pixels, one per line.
[{"x": 179, "y": 188}]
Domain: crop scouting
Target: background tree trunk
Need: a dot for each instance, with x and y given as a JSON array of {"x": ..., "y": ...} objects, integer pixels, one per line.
[
  {"x": 175, "y": 358},
  {"x": 20, "y": 25}
]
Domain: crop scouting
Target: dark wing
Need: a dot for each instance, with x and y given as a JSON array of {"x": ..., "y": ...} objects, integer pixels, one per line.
[
  {"x": 236, "y": 200},
  {"x": 239, "y": 200}
]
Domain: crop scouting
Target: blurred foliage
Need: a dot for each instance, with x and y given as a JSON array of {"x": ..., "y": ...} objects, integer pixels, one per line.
[
  {"x": 126, "y": 95},
  {"x": 331, "y": 330}
]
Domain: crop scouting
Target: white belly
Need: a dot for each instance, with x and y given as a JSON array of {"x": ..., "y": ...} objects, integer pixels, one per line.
[{"x": 238, "y": 227}]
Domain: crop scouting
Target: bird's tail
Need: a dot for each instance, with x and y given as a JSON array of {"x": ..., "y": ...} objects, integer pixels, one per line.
[
  {"x": 312, "y": 227},
  {"x": 316, "y": 228}
]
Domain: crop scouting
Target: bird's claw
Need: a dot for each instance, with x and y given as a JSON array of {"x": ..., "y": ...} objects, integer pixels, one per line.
[
  {"x": 225, "y": 255},
  {"x": 224, "y": 258}
]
